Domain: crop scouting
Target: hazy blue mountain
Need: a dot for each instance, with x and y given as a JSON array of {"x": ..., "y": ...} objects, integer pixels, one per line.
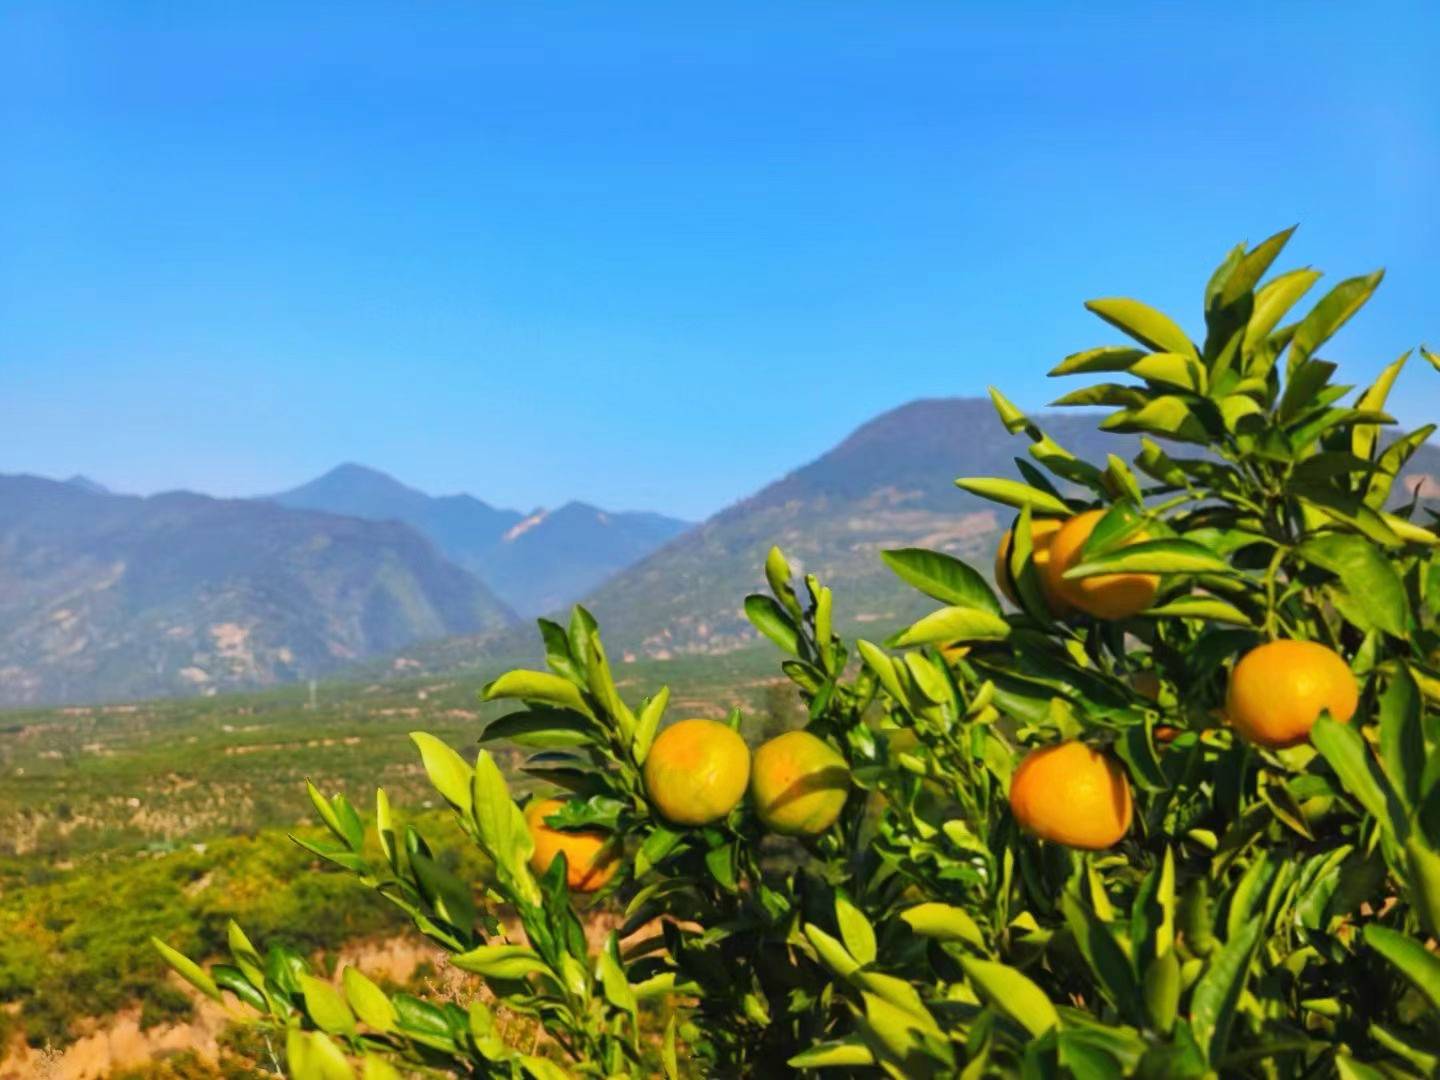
[
  {"x": 84, "y": 483},
  {"x": 535, "y": 563},
  {"x": 105, "y": 597}
]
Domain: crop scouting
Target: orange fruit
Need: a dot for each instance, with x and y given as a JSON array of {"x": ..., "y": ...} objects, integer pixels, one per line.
[
  {"x": 1164, "y": 733},
  {"x": 1278, "y": 690},
  {"x": 1042, "y": 535},
  {"x": 799, "y": 784},
  {"x": 1071, "y": 794},
  {"x": 590, "y": 859},
  {"x": 696, "y": 771},
  {"x": 1105, "y": 596}
]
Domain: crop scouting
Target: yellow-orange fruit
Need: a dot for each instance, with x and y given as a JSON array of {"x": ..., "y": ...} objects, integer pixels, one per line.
[
  {"x": 799, "y": 784},
  {"x": 1073, "y": 795},
  {"x": 696, "y": 771},
  {"x": 590, "y": 859},
  {"x": 1105, "y": 596},
  {"x": 1042, "y": 535},
  {"x": 1278, "y": 690}
]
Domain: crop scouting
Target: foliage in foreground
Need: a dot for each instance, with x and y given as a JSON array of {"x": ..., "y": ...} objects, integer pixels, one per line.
[{"x": 1266, "y": 912}]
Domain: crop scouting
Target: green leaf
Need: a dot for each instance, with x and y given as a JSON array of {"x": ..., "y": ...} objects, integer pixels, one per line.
[
  {"x": 500, "y": 961},
  {"x": 557, "y": 652},
  {"x": 954, "y": 624},
  {"x": 326, "y": 1006},
  {"x": 943, "y": 577},
  {"x": 612, "y": 977},
  {"x": 1153, "y": 329},
  {"x": 1105, "y": 358},
  {"x": 1168, "y": 416},
  {"x": 1250, "y": 269},
  {"x": 369, "y": 1002},
  {"x": 1105, "y": 956},
  {"x": 648, "y": 723},
  {"x": 245, "y": 955},
  {"x": 541, "y": 729},
  {"x": 1402, "y": 736},
  {"x": 1332, "y": 312},
  {"x": 1364, "y": 436},
  {"x": 310, "y": 1055},
  {"x": 538, "y": 686},
  {"x": 1013, "y": 994},
  {"x": 1171, "y": 369},
  {"x": 187, "y": 969},
  {"x": 501, "y": 827},
  {"x": 1195, "y": 606},
  {"x": 1273, "y": 301},
  {"x": 447, "y": 770},
  {"x": 1013, "y": 493},
  {"x": 832, "y": 954},
  {"x": 778, "y": 575},
  {"x": 655, "y": 847},
  {"x": 1367, "y": 575},
  {"x": 1423, "y": 866},
  {"x": 229, "y": 977},
  {"x": 450, "y": 897},
  {"x": 825, "y": 1055},
  {"x": 385, "y": 829},
  {"x": 855, "y": 931},
  {"x": 944, "y": 922},
  {"x": 1409, "y": 957},
  {"x": 1153, "y": 557},
  {"x": 1212, "y": 1006},
  {"x": 770, "y": 619},
  {"x": 1343, "y": 747}
]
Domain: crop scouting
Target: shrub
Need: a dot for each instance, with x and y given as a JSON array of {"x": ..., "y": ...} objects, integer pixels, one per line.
[{"x": 1250, "y": 911}]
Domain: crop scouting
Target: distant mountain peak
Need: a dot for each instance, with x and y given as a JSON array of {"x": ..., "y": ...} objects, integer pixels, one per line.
[{"x": 84, "y": 483}]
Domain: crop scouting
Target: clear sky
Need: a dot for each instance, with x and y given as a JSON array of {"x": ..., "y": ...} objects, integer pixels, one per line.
[{"x": 653, "y": 256}]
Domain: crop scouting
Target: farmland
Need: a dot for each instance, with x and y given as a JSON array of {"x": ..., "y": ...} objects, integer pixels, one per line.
[{"x": 118, "y": 822}]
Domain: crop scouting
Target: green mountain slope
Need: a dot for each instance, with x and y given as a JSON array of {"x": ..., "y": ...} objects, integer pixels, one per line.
[{"x": 104, "y": 597}]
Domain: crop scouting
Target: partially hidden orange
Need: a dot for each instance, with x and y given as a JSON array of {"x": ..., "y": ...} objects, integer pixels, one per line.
[
  {"x": 1042, "y": 535},
  {"x": 590, "y": 858},
  {"x": 1105, "y": 596},
  {"x": 1072, "y": 794},
  {"x": 1278, "y": 690},
  {"x": 696, "y": 771}
]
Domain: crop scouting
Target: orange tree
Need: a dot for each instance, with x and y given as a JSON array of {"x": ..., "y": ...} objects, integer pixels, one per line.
[{"x": 1173, "y": 813}]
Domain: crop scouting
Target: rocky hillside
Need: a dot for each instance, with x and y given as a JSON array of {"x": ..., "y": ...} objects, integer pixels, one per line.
[{"x": 105, "y": 597}]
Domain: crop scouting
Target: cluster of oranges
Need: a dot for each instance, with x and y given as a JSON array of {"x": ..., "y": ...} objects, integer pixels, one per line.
[
  {"x": 1075, "y": 795},
  {"x": 695, "y": 774},
  {"x": 1070, "y": 793}
]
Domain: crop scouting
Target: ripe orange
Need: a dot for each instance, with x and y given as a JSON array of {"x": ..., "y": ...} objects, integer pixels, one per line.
[
  {"x": 799, "y": 784},
  {"x": 696, "y": 771},
  {"x": 1072, "y": 795},
  {"x": 1042, "y": 535},
  {"x": 590, "y": 859},
  {"x": 1278, "y": 690},
  {"x": 1106, "y": 596}
]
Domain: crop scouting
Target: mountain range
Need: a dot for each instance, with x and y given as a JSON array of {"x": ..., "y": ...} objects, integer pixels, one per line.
[
  {"x": 536, "y": 563},
  {"x": 107, "y": 596},
  {"x": 889, "y": 484}
]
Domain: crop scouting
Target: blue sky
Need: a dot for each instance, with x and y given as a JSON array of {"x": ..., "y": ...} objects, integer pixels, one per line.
[{"x": 653, "y": 255}]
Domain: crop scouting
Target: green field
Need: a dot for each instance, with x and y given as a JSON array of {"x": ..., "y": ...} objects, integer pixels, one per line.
[{"x": 170, "y": 817}]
